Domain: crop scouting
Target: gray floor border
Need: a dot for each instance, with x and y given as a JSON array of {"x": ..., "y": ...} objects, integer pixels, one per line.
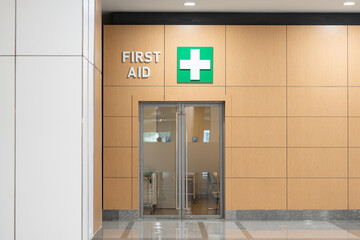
[
  {"x": 131, "y": 215},
  {"x": 292, "y": 215},
  {"x": 120, "y": 215}
]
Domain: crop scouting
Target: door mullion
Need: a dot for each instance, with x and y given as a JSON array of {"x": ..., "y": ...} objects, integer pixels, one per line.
[
  {"x": 180, "y": 156},
  {"x": 183, "y": 142}
]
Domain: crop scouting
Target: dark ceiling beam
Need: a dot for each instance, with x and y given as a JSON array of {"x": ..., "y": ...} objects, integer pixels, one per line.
[{"x": 182, "y": 18}]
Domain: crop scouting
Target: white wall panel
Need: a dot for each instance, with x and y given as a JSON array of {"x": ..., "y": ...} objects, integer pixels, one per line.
[
  {"x": 48, "y": 148},
  {"x": 85, "y": 148},
  {"x": 7, "y": 27},
  {"x": 91, "y": 95},
  {"x": 49, "y": 27},
  {"x": 91, "y": 30},
  {"x": 86, "y": 29},
  {"x": 7, "y": 132}
]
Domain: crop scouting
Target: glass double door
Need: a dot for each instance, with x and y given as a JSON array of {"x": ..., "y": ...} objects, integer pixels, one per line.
[{"x": 181, "y": 160}]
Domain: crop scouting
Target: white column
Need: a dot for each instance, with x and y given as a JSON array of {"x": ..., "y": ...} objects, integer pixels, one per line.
[
  {"x": 7, "y": 118},
  {"x": 53, "y": 131}
]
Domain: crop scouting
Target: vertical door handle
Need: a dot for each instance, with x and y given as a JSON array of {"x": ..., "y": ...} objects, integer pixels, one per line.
[
  {"x": 177, "y": 161},
  {"x": 186, "y": 166}
]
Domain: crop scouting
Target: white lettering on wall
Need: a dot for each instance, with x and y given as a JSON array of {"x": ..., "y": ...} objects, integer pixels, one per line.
[
  {"x": 141, "y": 72},
  {"x": 131, "y": 73},
  {"x": 139, "y": 57},
  {"x": 157, "y": 56},
  {"x": 148, "y": 57},
  {"x": 125, "y": 55},
  {"x": 146, "y": 72}
]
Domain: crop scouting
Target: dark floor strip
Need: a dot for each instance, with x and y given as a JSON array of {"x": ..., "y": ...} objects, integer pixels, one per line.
[
  {"x": 127, "y": 230},
  {"x": 243, "y": 229},
  {"x": 203, "y": 231}
]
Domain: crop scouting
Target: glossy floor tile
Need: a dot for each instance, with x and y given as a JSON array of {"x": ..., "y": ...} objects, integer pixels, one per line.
[{"x": 221, "y": 229}]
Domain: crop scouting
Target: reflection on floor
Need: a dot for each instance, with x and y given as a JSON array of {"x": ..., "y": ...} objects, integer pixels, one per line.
[
  {"x": 221, "y": 229},
  {"x": 202, "y": 206}
]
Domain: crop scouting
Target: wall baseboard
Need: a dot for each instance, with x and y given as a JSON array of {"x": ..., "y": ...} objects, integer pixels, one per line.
[{"x": 292, "y": 215}]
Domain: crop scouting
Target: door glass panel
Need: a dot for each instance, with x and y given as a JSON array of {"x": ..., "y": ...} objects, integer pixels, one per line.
[
  {"x": 159, "y": 156},
  {"x": 202, "y": 160}
]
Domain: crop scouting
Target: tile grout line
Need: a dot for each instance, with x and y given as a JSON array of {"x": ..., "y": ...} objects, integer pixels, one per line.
[
  {"x": 164, "y": 63},
  {"x": 131, "y": 154},
  {"x": 347, "y": 103},
  {"x": 243, "y": 229},
  {"x": 204, "y": 233},
  {"x": 276, "y": 147},
  {"x": 82, "y": 126},
  {"x": 286, "y": 102},
  {"x": 52, "y": 55},
  {"x": 15, "y": 132},
  {"x": 258, "y": 116},
  {"x": 225, "y": 60},
  {"x": 199, "y": 85},
  {"x": 269, "y": 177},
  {"x": 127, "y": 230}
]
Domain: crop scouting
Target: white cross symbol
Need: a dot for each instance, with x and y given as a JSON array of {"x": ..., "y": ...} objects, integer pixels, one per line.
[{"x": 195, "y": 64}]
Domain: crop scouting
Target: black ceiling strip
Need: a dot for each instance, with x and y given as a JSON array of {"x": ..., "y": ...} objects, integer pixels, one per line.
[{"x": 186, "y": 18}]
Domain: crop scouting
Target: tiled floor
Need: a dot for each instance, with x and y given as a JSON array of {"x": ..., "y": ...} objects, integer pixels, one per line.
[{"x": 221, "y": 229}]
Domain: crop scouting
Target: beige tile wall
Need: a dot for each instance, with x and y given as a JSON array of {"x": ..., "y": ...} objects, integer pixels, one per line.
[{"x": 292, "y": 112}]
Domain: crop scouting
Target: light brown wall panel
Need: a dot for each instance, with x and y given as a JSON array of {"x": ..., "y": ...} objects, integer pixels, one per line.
[
  {"x": 317, "y": 132},
  {"x": 258, "y": 193},
  {"x": 117, "y": 193},
  {"x": 317, "y": 162},
  {"x": 258, "y": 132},
  {"x": 228, "y": 105},
  {"x": 195, "y": 93},
  {"x": 194, "y": 36},
  {"x": 354, "y": 55},
  {"x": 228, "y": 131},
  {"x": 132, "y": 38},
  {"x": 256, "y": 55},
  {"x": 117, "y": 162},
  {"x": 135, "y": 131},
  {"x": 324, "y": 193},
  {"x": 317, "y": 101},
  {"x": 354, "y": 162},
  {"x": 354, "y": 132},
  {"x": 258, "y": 162},
  {"x": 354, "y": 194},
  {"x": 228, "y": 162},
  {"x": 135, "y": 193},
  {"x": 228, "y": 196},
  {"x": 135, "y": 162},
  {"x": 317, "y": 55},
  {"x": 258, "y": 101},
  {"x": 117, "y": 131},
  {"x": 97, "y": 151},
  {"x": 354, "y": 101},
  {"x": 117, "y": 100}
]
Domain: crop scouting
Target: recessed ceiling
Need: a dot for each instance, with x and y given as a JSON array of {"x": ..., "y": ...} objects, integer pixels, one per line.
[{"x": 229, "y": 6}]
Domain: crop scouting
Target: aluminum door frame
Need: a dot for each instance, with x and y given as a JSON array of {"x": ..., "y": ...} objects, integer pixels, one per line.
[
  {"x": 221, "y": 158},
  {"x": 181, "y": 136},
  {"x": 141, "y": 161}
]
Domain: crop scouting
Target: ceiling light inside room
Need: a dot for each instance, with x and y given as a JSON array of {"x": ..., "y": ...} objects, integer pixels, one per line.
[
  {"x": 349, "y": 3},
  {"x": 189, "y": 4}
]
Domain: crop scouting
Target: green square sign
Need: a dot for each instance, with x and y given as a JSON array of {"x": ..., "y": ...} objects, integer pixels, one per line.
[{"x": 194, "y": 64}]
